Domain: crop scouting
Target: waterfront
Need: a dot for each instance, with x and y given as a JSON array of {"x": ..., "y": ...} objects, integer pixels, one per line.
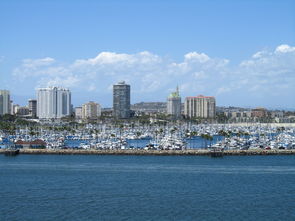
[
  {"x": 151, "y": 137},
  {"x": 51, "y": 187},
  {"x": 143, "y": 152}
]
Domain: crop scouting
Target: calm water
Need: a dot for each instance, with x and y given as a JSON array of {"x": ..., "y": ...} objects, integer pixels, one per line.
[
  {"x": 195, "y": 142},
  {"x": 147, "y": 188}
]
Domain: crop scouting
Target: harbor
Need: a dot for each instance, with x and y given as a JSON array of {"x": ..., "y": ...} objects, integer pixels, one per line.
[{"x": 130, "y": 139}]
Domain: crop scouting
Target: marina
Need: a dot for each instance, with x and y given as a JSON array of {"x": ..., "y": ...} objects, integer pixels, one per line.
[{"x": 144, "y": 139}]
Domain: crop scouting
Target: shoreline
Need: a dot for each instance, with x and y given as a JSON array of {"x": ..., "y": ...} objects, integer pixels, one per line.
[{"x": 141, "y": 152}]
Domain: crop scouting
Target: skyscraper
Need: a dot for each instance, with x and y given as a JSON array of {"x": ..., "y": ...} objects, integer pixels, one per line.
[
  {"x": 4, "y": 102},
  {"x": 121, "y": 100},
  {"x": 53, "y": 102},
  {"x": 200, "y": 106},
  {"x": 91, "y": 110},
  {"x": 174, "y": 104}
]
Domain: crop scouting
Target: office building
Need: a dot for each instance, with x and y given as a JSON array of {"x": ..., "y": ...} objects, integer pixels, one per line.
[
  {"x": 121, "y": 100},
  {"x": 53, "y": 102},
  {"x": 174, "y": 104},
  {"x": 4, "y": 102},
  {"x": 23, "y": 111},
  {"x": 259, "y": 112},
  {"x": 33, "y": 108},
  {"x": 91, "y": 110},
  {"x": 200, "y": 107}
]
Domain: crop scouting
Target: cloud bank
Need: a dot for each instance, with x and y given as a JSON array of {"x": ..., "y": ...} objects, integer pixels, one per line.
[{"x": 266, "y": 74}]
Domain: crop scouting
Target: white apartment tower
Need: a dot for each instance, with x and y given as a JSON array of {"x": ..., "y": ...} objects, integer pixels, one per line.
[
  {"x": 200, "y": 106},
  {"x": 174, "y": 104},
  {"x": 4, "y": 102},
  {"x": 53, "y": 102},
  {"x": 91, "y": 110}
]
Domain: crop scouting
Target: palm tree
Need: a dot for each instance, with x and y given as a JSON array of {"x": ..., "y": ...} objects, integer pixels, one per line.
[{"x": 207, "y": 137}]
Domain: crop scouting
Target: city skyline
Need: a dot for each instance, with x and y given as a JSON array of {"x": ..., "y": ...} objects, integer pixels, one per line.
[
  {"x": 147, "y": 110},
  {"x": 243, "y": 53}
]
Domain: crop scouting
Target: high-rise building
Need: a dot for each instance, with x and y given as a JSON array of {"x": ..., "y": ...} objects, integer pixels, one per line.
[
  {"x": 121, "y": 100},
  {"x": 174, "y": 104},
  {"x": 4, "y": 102},
  {"x": 53, "y": 102},
  {"x": 91, "y": 110},
  {"x": 33, "y": 107},
  {"x": 200, "y": 106}
]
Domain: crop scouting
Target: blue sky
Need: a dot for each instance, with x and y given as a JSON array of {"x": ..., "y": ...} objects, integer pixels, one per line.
[{"x": 242, "y": 52}]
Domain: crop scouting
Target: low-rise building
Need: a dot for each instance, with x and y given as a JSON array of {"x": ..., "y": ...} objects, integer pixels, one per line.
[
  {"x": 23, "y": 111},
  {"x": 78, "y": 112},
  {"x": 91, "y": 110}
]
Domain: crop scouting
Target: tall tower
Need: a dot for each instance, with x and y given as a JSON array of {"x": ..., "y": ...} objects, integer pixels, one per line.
[
  {"x": 121, "y": 100},
  {"x": 174, "y": 104},
  {"x": 53, "y": 102},
  {"x": 4, "y": 102}
]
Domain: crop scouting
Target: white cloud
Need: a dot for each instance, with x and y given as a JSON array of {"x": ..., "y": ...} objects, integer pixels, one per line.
[
  {"x": 68, "y": 81},
  {"x": 105, "y": 58},
  {"x": 152, "y": 76},
  {"x": 194, "y": 56},
  {"x": 200, "y": 75},
  {"x": 110, "y": 58},
  {"x": 34, "y": 63},
  {"x": 259, "y": 54},
  {"x": 284, "y": 49}
]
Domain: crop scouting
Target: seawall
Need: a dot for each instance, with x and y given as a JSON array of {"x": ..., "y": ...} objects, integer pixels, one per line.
[{"x": 190, "y": 152}]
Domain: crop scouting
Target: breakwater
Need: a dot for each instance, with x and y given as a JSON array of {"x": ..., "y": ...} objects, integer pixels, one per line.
[{"x": 189, "y": 152}]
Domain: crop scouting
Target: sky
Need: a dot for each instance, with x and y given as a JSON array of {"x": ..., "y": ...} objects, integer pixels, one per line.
[{"x": 241, "y": 52}]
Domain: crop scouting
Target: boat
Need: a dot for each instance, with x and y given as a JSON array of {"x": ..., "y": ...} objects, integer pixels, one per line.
[
  {"x": 216, "y": 152},
  {"x": 11, "y": 152}
]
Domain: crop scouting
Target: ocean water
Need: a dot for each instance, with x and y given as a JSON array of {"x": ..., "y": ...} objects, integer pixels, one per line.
[{"x": 48, "y": 187}]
